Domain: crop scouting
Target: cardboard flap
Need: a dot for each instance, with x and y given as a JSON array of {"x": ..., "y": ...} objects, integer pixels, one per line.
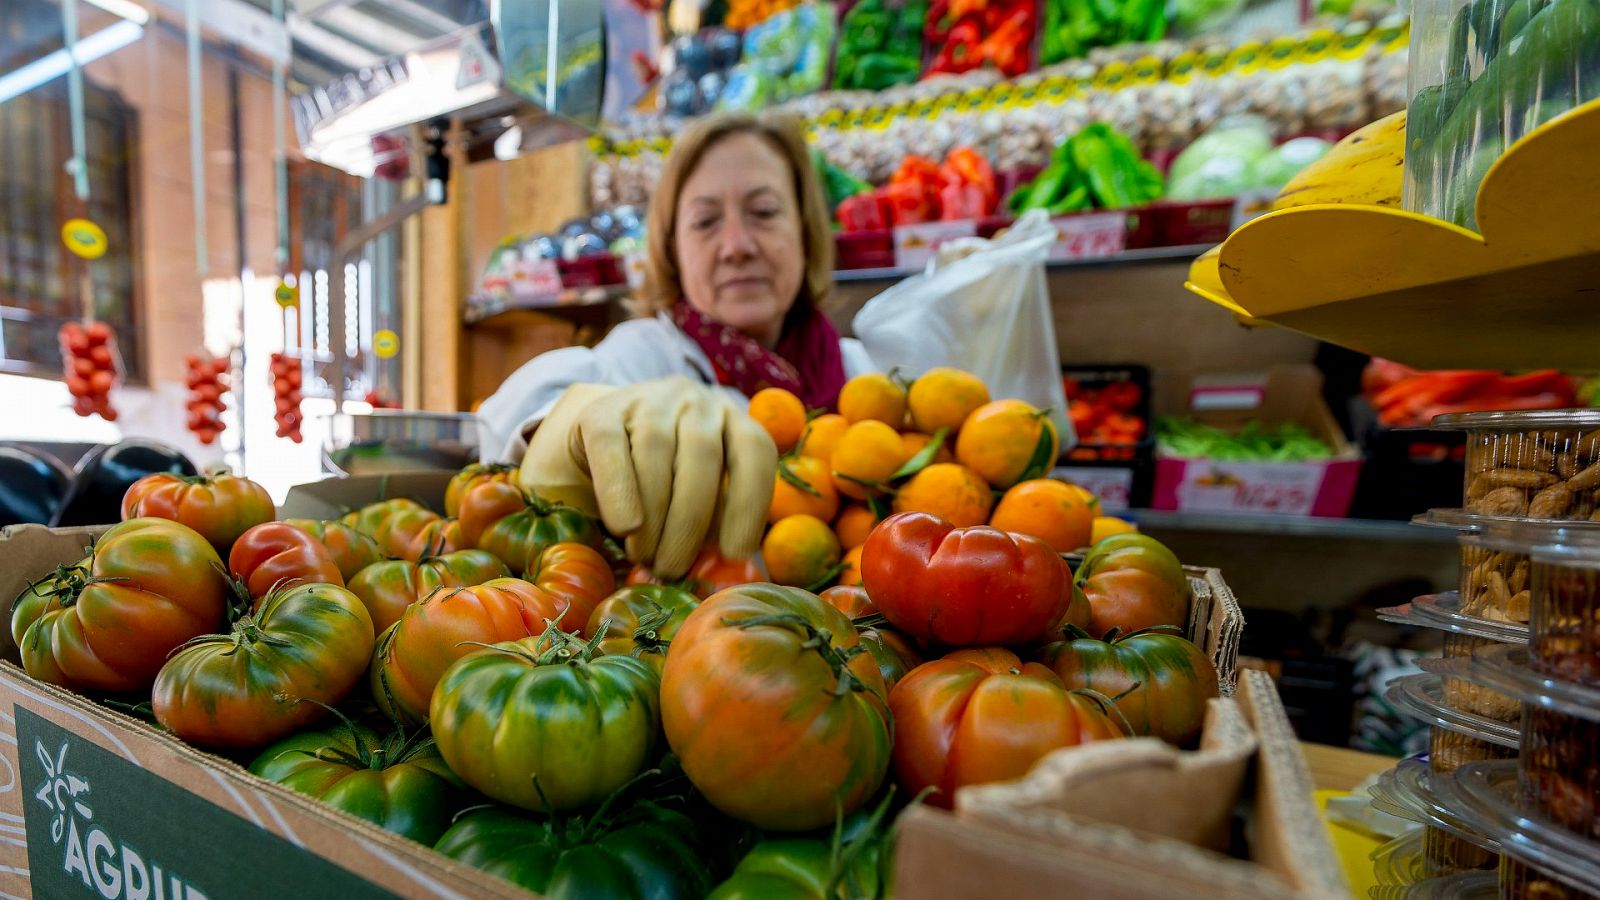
[
  {"x": 1285, "y": 837},
  {"x": 1144, "y": 784},
  {"x": 333, "y": 497},
  {"x": 33, "y": 551},
  {"x": 1046, "y": 855}
]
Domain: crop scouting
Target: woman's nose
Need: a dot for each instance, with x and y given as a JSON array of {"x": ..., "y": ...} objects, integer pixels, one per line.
[{"x": 736, "y": 240}]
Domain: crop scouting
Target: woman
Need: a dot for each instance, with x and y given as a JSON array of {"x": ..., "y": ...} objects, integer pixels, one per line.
[{"x": 648, "y": 429}]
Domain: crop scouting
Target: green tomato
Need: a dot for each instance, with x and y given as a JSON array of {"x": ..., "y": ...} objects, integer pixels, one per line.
[
  {"x": 812, "y": 868},
  {"x": 399, "y": 785},
  {"x": 1133, "y": 551},
  {"x": 542, "y": 724},
  {"x": 647, "y": 851}
]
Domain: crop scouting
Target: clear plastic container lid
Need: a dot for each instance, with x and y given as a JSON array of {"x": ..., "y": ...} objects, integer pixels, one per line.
[
  {"x": 1421, "y": 696},
  {"x": 1457, "y": 886},
  {"x": 1490, "y": 801},
  {"x": 1413, "y": 781},
  {"x": 1399, "y": 862},
  {"x": 1505, "y": 669},
  {"x": 1515, "y": 533},
  {"x": 1389, "y": 797},
  {"x": 1519, "y": 420},
  {"x": 1443, "y": 612}
]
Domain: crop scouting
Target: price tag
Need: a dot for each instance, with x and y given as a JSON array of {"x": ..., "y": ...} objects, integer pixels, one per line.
[
  {"x": 287, "y": 295},
  {"x": 915, "y": 245},
  {"x": 84, "y": 238},
  {"x": 1089, "y": 236},
  {"x": 385, "y": 344},
  {"x": 535, "y": 280},
  {"x": 1114, "y": 486}
]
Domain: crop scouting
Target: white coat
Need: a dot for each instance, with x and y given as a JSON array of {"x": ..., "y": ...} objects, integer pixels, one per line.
[{"x": 634, "y": 351}]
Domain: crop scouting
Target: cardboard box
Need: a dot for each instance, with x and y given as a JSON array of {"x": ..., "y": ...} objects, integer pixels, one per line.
[
  {"x": 96, "y": 803},
  {"x": 1133, "y": 830},
  {"x": 333, "y": 497},
  {"x": 1283, "y": 394}
]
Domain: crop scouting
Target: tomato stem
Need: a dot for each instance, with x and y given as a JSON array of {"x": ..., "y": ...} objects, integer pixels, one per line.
[{"x": 818, "y": 639}]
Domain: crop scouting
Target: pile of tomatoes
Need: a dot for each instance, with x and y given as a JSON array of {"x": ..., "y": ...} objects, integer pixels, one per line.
[
  {"x": 89, "y": 353},
  {"x": 475, "y": 679}
]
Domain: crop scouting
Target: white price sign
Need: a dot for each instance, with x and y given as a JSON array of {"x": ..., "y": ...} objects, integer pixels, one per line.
[
  {"x": 915, "y": 245},
  {"x": 1114, "y": 487},
  {"x": 1090, "y": 236},
  {"x": 538, "y": 279}
]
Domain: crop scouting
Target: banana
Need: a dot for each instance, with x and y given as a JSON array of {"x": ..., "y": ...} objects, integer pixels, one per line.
[{"x": 1365, "y": 168}]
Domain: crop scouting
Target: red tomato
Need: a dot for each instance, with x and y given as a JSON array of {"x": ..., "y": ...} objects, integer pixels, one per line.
[
  {"x": 470, "y": 477},
  {"x": 396, "y": 533},
  {"x": 98, "y": 333},
  {"x": 983, "y": 715},
  {"x": 711, "y": 572},
  {"x": 964, "y": 586},
  {"x": 279, "y": 552},
  {"x": 570, "y": 580},
  {"x": 220, "y": 507},
  {"x": 352, "y": 550},
  {"x": 78, "y": 387},
  {"x": 895, "y": 654}
]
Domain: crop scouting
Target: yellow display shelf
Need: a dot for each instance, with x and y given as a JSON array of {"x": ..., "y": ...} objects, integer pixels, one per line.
[{"x": 1525, "y": 293}]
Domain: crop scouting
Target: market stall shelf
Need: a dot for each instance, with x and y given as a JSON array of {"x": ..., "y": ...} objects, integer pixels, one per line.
[{"x": 1427, "y": 293}]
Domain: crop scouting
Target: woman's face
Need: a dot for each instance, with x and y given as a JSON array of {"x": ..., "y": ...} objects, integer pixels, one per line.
[{"x": 741, "y": 254}]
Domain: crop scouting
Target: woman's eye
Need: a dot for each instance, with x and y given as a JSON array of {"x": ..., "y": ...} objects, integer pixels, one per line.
[
  {"x": 702, "y": 224},
  {"x": 765, "y": 214}
]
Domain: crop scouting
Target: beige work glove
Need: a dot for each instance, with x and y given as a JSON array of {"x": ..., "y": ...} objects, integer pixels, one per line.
[{"x": 650, "y": 459}]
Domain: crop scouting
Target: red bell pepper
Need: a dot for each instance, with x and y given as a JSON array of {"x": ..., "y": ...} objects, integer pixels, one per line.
[
  {"x": 962, "y": 50},
  {"x": 968, "y": 166},
  {"x": 861, "y": 213},
  {"x": 909, "y": 203},
  {"x": 1007, "y": 46}
]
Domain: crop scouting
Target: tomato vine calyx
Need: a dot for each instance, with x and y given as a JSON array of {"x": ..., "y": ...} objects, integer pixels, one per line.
[
  {"x": 647, "y": 636},
  {"x": 818, "y": 639}
]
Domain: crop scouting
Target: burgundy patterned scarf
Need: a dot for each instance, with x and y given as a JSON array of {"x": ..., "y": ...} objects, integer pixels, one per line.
[{"x": 806, "y": 361}]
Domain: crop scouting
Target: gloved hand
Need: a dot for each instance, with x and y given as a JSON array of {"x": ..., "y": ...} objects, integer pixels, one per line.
[{"x": 650, "y": 459}]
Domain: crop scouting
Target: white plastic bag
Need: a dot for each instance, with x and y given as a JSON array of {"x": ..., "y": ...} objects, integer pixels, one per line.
[{"x": 984, "y": 307}]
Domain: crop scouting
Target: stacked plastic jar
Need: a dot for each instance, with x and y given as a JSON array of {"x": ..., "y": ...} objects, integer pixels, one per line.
[{"x": 1530, "y": 538}]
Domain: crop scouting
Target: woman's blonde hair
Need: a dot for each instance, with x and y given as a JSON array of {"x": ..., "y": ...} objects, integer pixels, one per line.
[{"x": 662, "y": 286}]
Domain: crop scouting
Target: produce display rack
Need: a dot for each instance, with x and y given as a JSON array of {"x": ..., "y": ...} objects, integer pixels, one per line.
[
  {"x": 1429, "y": 294},
  {"x": 1126, "y": 257}
]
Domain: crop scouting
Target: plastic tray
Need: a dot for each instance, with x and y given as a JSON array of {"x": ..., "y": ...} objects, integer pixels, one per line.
[
  {"x": 1399, "y": 862},
  {"x": 1464, "y": 692},
  {"x": 1506, "y": 670},
  {"x": 1456, "y": 886},
  {"x": 1443, "y": 612},
  {"x": 1421, "y": 696},
  {"x": 1520, "y": 881},
  {"x": 1489, "y": 795},
  {"x": 1447, "y": 843}
]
